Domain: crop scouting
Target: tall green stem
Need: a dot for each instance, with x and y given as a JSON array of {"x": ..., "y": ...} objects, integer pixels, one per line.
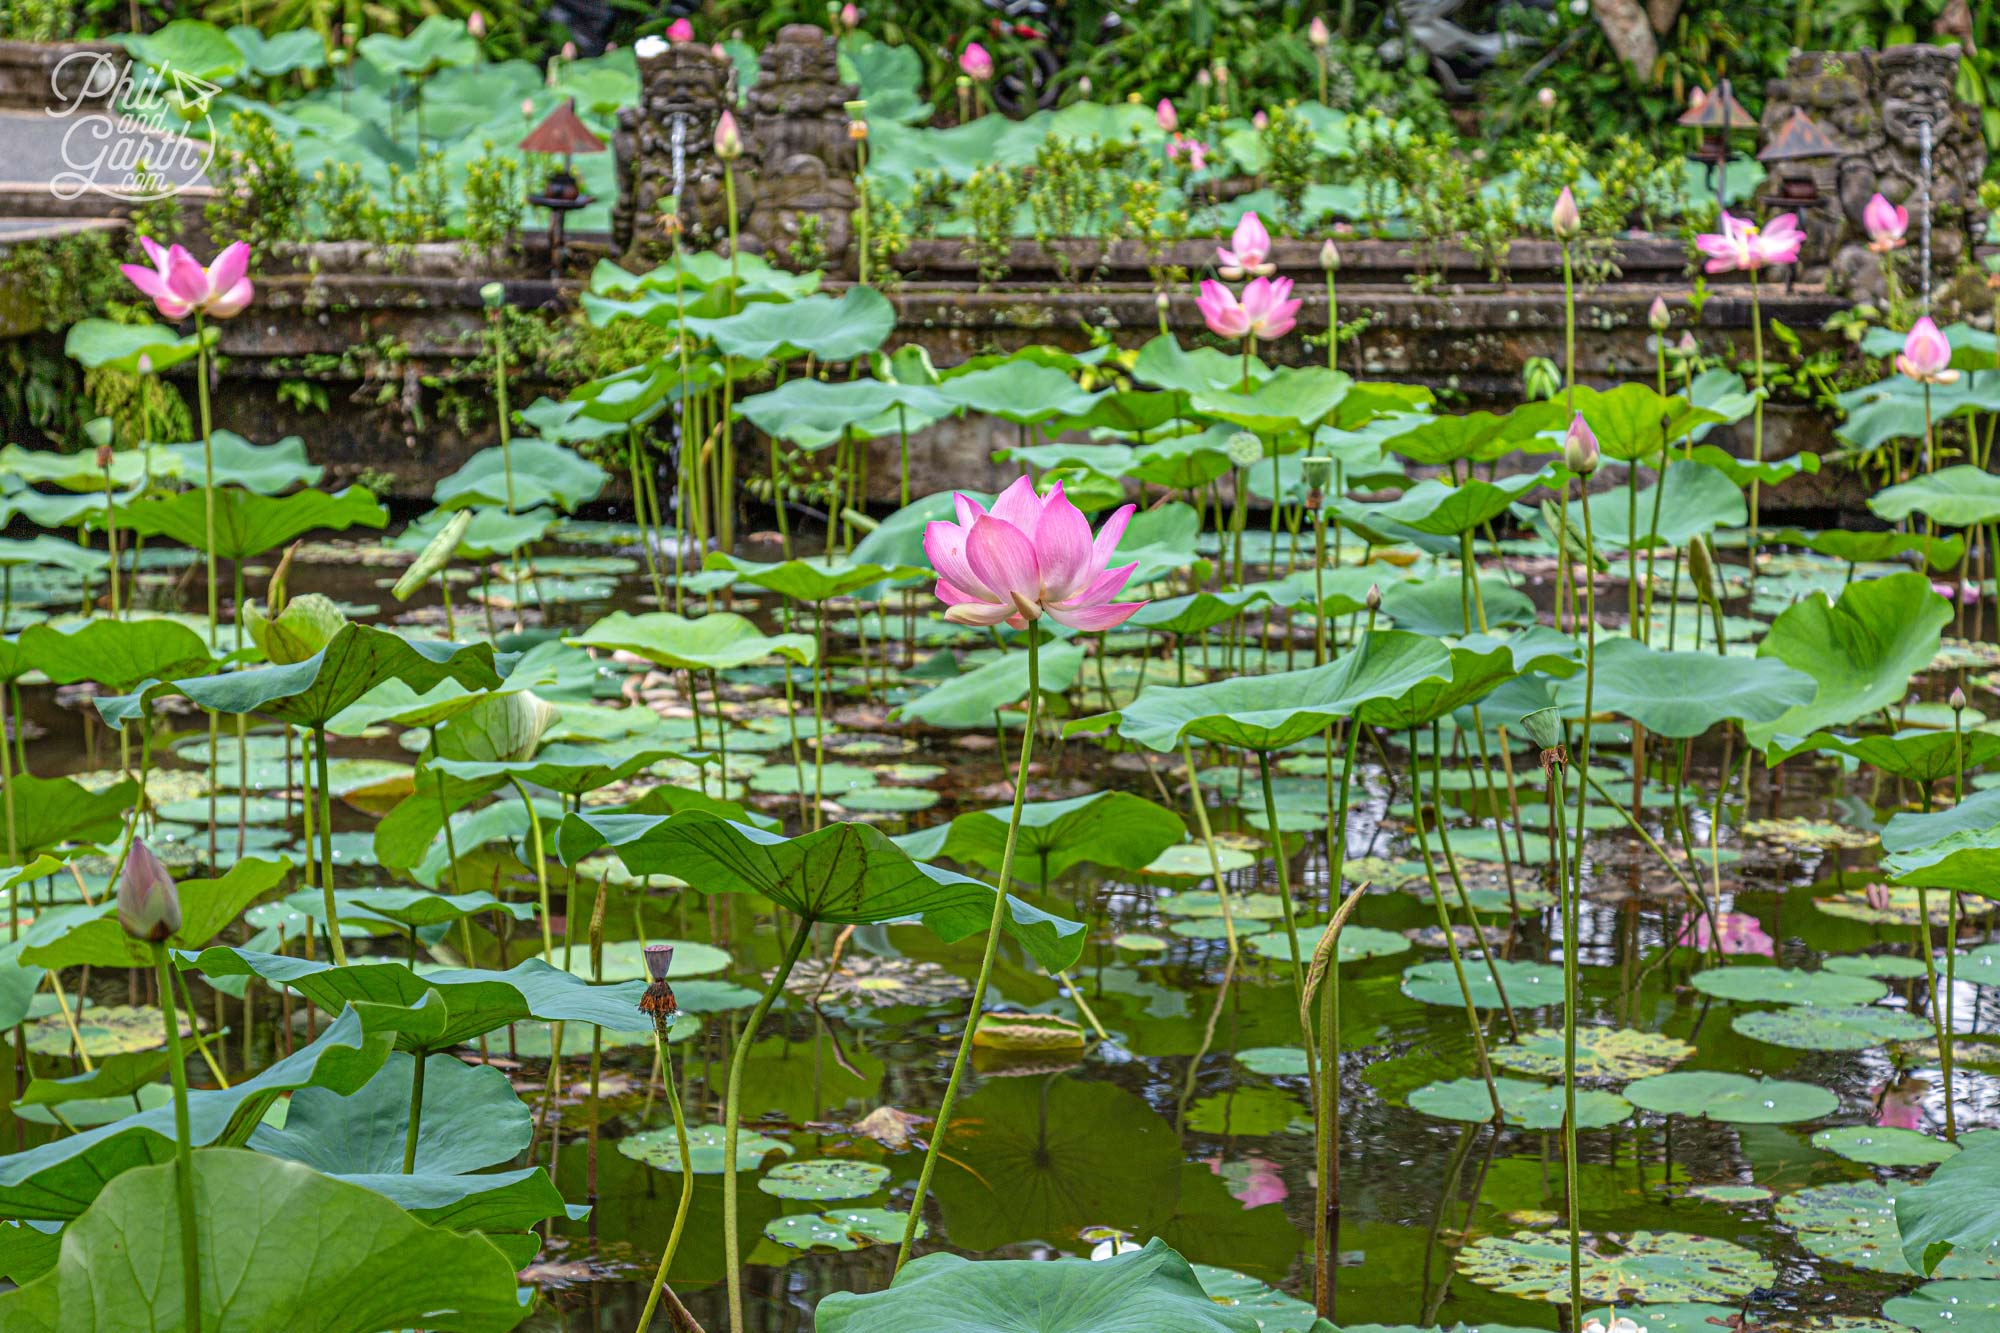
[
  {"x": 325, "y": 821},
  {"x": 416, "y": 1114},
  {"x": 687, "y": 1180},
  {"x": 1284, "y": 876},
  {"x": 1552, "y": 772},
  {"x": 732, "y": 1115},
  {"x": 1756, "y": 420},
  {"x": 1326, "y": 1218},
  {"x": 943, "y": 1122},
  {"x": 183, "y": 1149}
]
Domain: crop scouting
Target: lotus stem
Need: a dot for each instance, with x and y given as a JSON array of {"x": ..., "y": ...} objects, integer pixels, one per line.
[
  {"x": 687, "y": 1179},
  {"x": 541, "y": 864},
  {"x": 183, "y": 1148},
  {"x": 1326, "y": 1219},
  {"x": 732, "y": 1113},
  {"x": 1284, "y": 877},
  {"x": 325, "y": 821},
  {"x": 416, "y": 1113},
  {"x": 1552, "y": 773},
  {"x": 1208, "y": 840},
  {"x": 943, "y": 1122},
  {"x": 1756, "y": 422}
]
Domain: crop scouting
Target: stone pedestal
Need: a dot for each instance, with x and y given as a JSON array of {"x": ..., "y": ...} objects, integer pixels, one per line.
[{"x": 1873, "y": 104}]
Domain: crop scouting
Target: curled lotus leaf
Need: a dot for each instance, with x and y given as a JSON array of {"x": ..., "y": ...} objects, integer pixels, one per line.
[{"x": 1028, "y": 1032}]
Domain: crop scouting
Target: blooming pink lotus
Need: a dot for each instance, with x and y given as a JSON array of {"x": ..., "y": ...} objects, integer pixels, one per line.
[
  {"x": 680, "y": 30},
  {"x": 1248, "y": 253},
  {"x": 1926, "y": 354},
  {"x": 1031, "y": 555},
  {"x": 180, "y": 286},
  {"x": 1886, "y": 224},
  {"x": 1264, "y": 312},
  {"x": 1743, "y": 246},
  {"x": 976, "y": 63},
  {"x": 1166, "y": 117}
]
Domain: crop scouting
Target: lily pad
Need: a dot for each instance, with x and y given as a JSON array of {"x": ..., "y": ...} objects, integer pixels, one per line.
[
  {"x": 1647, "y": 1266},
  {"x": 1811, "y": 1028},
  {"x": 1884, "y": 1145},
  {"x": 1601, "y": 1053},
  {"x": 1530, "y": 1105},
  {"x": 1733, "y": 1099},
  {"x": 843, "y": 1230},
  {"x": 828, "y": 1178},
  {"x": 661, "y": 1148},
  {"x": 1785, "y": 985}
]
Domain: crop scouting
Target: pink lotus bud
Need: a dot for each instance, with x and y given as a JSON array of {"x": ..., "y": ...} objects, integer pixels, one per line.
[
  {"x": 1886, "y": 224},
  {"x": 680, "y": 30},
  {"x": 1317, "y": 33},
  {"x": 149, "y": 907},
  {"x": 850, "y": 17},
  {"x": 1261, "y": 120},
  {"x": 1657, "y": 317},
  {"x": 1165, "y": 117},
  {"x": 1957, "y": 700},
  {"x": 145, "y": 364},
  {"x": 1374, "y": 598},
  {"x": 1202, "y": 78},
  {"x": 1564, "y": 219},
  {"x": 1926, "y": 355},
  {"x": 1580, "y": 447},
  {"x": 728, "y": 139},
  {"x": 475, "y": 24},
  {"x": 1329, "y": 256},
  {"x": 1221, "y": 73},
  {"x": 527, "y": 108},
  {"x": 569, "y": 50},
  {"x": 1546, "y": 99},
  {"x": 976, "y": 63}
]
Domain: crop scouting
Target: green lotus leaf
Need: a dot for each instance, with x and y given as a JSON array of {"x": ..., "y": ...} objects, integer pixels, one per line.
[
  {"x": 1601, "y": 1053},
  {"x": 972, "y": 701},
  {"x": 1643, "y": 1267},
  {"x": 574, "y": 770},
  {"x": 828, "y": 328},
  {"x": 812, "y": 413},
  {"x": 1697, "y": 500},
  {"x": 815, "y": 579},
  {"x": 1357, "y": 943},
  {"x": 373, "y": 1265},
  {"x": 445, "y": 1006},
  {"x": 1271, "y": 712},
  {"x": 208, "y": 906},
  {"x": 247, "y": 524},
  {"x": 491, "y": 530},
  {"x": 1184, "y": 462},
  {"x": 312, "y": 692},
  {"x": 1683, "y": 694},
  {"x": 1163, "y": 363},
  {"x": 79, "y": 472},
  {"x": 100, "y": 343},
  {"x": 1896, "y": 407},
  {"x": 1109, "y": 828},
  {"x": 436, "y": 43},
  {"x": 1862, "y": 650},
  {"x": 1529, "y": 985},
  {"x": 267, "y": 469},
  {"x": 1733, "y": 1099},
  {"x": 115, "y": 653},
  {"x": 1196, "y": 612},
  {"x": 542, "y": 472},
  {"x": 1786, "y": 985},
  {"x": 47, "y": 813},
  {"x": 1529, "y": 1105},
  {"x": 1967, "y": 1305},
  {"x": 1960, "y": 496},
  {"x": 717, "y": 641},
  {"x": 1817, "y": 1028},
  {"x": 59, "y": 1179},
  {"x": 1479, "y": 663},
  {"x": 1952, "y": 1213},
  {"x": 1957, "y": 848},
  {"x": 847, "y": 873},
  {"x": 53, "y": 552},
  {"x": 1916, "y": 755},
  {"x": 1437, "y": 606},
  {"x": 1293, "y": 399},
  {"x": 1740, "y": 472},
  {"x": 1867, "y": 547},
  {"x": 1445, "y": 510},
  {"x": 707, "y": 1148},
  {"x": 829, "y": 1178},
  {"x": 1855, "y": 1223},
  {"x": 472, "y": 1121}
]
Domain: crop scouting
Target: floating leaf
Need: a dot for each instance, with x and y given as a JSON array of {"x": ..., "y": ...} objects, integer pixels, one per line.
[
  {"x": 828, "y": 1178},
  {"x": 1734, "y": 1099},
  {"x": 1601, "y": 1053},
  {"x": 1647, "y": 1266}
]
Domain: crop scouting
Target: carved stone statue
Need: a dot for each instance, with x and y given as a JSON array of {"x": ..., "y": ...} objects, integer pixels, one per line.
[
  {"x": 798, "y": 140},
  {"x": 1453, "y": 49},
  {"x": 1873, "y": 105},
  {"x": 666, "y": 146}
]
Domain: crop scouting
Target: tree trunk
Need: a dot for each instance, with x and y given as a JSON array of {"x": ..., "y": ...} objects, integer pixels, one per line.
[{"x": 1630, "y": 33}]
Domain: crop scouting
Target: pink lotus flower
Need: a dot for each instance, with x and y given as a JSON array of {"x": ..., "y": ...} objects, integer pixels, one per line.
[
  {"x": 1580, "y": 453},
  {"x": 1740, "y": 933},
  {"x": 1193, "y": 150},
  {"x": 180, "y": 286},
  {"x": 1743, "y": 246},
  {"x": 1967, "y": 593},
  {"x": 1886, "y": 223},
  {"x": 149, "y": 906},
  {"x": 1253, "y": 1182},
  {"x": 475, "y": 23},
  {"x": 728, "y": 138},
  {"x": 1264, "y": 312},
  {"x": 1926, "y": 355},
  {"x": 1900, "y": 1105},
  {"x": 976, "y": 63},
  {"x": 1261, "y": 121},
  {"x": 1031, "y": 555},
  {"x": 1248, "y": 253},
  {"x": 680, "y": 30},
  {"x": 1166, "y": 117},
  {"x": 850, "y": 17},
  {"x": 1317, "y": 32}
]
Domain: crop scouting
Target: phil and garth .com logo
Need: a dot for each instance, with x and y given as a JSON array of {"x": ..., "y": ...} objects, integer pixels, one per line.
[{"x": 135, "y": 133}]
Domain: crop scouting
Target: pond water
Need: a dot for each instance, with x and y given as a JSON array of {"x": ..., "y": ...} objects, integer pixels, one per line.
[{"x": 1189, "y": 1119}]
